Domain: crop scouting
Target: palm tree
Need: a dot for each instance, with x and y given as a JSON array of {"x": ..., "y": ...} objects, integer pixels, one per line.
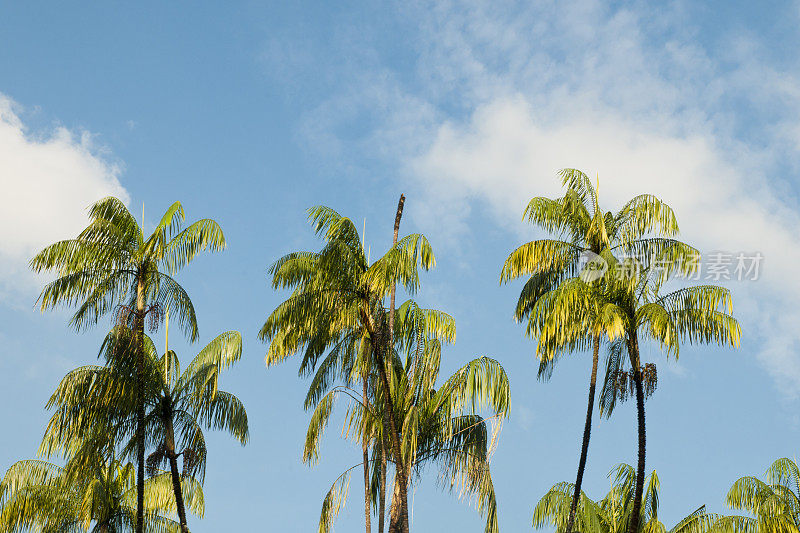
[
  {"x": 441, "y": 426},
  {"x": 775, "y": 503},
  {"x": 633, "y": 310},
  {"x": 41, "y": 496},
  {"x": 178, "y": 405},
  {"x": 613, "y": 513},
  {"x": 339, "y": 297},
  {"x": 582, "y": 231},
  {"x": 185, "y": 403},
  {"x": 112, "y": 266}
]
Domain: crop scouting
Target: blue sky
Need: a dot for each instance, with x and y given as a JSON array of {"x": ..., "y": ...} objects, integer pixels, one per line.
[{"x": 252, "y": 112}]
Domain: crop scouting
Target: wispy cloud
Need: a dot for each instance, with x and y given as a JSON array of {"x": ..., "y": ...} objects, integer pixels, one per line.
[
  {"x": 500, "y": 98},
  {"x": 48, "y": 180}
]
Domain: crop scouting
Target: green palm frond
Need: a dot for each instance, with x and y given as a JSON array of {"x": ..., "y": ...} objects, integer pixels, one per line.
[
  {"x": 642, "y": 215},
  {"x": 401, "y": 265},
  {"x": 334, "y": 500},
  {"x": 202, "y": 235},
  {"x": 577, "y": 181},
  {"x": 540, "y": 256},
  {"x": 553, "y": 510},
  {"x": 775, "y": 504}
]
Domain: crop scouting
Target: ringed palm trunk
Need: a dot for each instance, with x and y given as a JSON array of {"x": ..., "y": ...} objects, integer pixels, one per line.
[
  {"x": 176, "y": 477},
  {"x": 633, "y": 525},
  {"x": 365, "y": 450},
  {"x": 587, "y": 430},
  {"x": 139, "y": 336}
]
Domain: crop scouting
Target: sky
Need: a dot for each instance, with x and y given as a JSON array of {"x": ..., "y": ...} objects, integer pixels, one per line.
[{"x": 252, "y": 112}]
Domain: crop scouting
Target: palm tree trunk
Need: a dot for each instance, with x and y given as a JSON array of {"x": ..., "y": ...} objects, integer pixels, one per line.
[
  {"x": 176, "y": 477},
  {"x": 587, "y": 430},
  {"x": 633, "y": 525},
  {"x": 178, "y": 490},
  {"x": 139, "y": 333},
  {"x": 382, "y": 488},
  {"x": 401, "y": 467},
  {"x": 394, "y": 434},
  {"x": 364, "y": 449},
  {"x": 396, "y": 507}
]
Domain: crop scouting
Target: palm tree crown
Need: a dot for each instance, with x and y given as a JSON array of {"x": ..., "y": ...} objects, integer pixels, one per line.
[
  {"x": 41, "y": 496},
  {"x": 774, "y": 503},
  {"x": 613, "y": 513}
]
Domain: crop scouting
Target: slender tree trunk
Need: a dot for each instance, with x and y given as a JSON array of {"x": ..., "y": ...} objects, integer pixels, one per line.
[
  {"x": 401, "y": 467},
  {"x": 396, "y": 507},
  {"x": 139, "y": 335},
  {"x": 176, "y": 477},
  {"x": 382, "y": 488},
  {"x": 176, "y": 487},
  {"x": 587, "y": 430},
  {"x": 633, "y": 525},
  {"x": 394, "y": 434},
  {"x": 365, "y": 450}
]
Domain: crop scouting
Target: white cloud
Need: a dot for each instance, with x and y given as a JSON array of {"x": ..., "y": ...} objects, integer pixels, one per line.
[
  {"x": 47, "y": 180},
  {"x": 503, "y": 157}
]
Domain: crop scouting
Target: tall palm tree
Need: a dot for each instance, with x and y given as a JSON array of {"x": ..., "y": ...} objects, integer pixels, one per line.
[
  {"x": 337, "y": 297},
  {"x": 178, "y": 405},
  {"x": 111, "y": 265},
  {"x": 613, "y": 513},
  {"x": 581, "y": 232},
  {"x": 442, "y": 426},
  {"x": 633, "y": 309},
  {"x": 97, "y": 494},
  {"x": 774, "y": 503}
]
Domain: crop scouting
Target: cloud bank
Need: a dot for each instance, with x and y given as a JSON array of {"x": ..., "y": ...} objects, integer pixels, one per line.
[
  {"x": 500, "y": 98},
  {"x": 47, "y": 181}
]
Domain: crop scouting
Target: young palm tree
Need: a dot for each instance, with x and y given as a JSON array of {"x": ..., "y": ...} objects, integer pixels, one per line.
[
  {"x": 111, "y": 265},
  {"x": 178, "y": 405},
  {"x": 338, "y": 297},
  {"x": 185, "y": 403},
  {"x": 582, "y": 231},
  {"x": 41, "y": 496},
  {"x": 775, "y": 503},
  {"x": 633, "y": 310},
  {"x": 441, "y": 426},
  {"x": 613, "y": 513}
]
